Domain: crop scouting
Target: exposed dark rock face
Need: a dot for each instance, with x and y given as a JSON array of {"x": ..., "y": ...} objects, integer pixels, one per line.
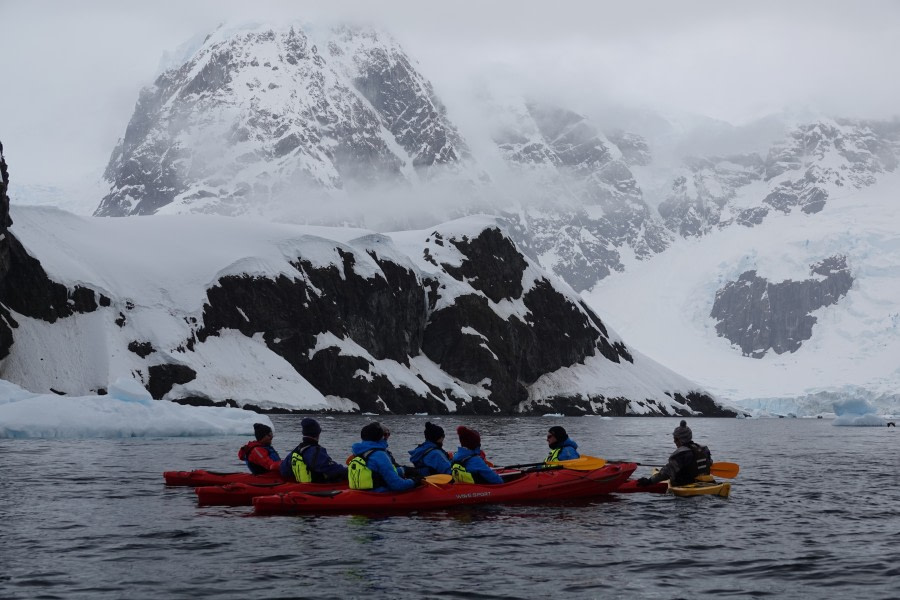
[
  {"x": 602, "y": 207},
  {"x": 634, "y": 148},
  {"x": 162, "y": 377},
  {"x": 6, "y": 320},
  {"x": 760, "y": 316},
  {"x": 142, "y": 349},
  {"x": 699, "y": 403},
  {"x": 393, "y": 317},
  {"x": 405, "y": 101},
  {"x": 25, "y": 286},
  {"x": 697, "y": 199},
  {"x": 492, "y": 265}
]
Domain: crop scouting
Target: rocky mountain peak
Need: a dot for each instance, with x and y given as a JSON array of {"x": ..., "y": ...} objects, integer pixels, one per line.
[{"x": 261, "y": 117}]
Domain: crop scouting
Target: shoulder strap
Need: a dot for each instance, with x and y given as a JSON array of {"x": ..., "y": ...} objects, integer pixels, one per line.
[
  {"x": 465, "y": 460},
  {"x": 365, "y": 455},
  {"x": 300, "y": 448}
]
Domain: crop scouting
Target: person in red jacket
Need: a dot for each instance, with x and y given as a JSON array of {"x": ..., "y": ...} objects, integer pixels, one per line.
[{"x": 260, "y": 456}]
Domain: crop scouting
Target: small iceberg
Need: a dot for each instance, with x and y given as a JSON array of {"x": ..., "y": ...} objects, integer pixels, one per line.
[
  {"x": 127, "y": 410},
  {"x": 857, "y": 412}
]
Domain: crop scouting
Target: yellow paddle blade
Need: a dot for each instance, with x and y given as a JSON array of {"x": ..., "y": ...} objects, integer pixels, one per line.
[
  {"x": 439, "y": 478},
  {"x": 582, "y": 463},
  {"x": 725, "y": 469}
]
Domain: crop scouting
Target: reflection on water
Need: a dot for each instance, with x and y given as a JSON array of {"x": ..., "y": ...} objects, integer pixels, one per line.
[{"x": 812, "y": 514}]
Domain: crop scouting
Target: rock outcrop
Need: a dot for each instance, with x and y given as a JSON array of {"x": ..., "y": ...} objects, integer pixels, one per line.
[{"x": 759, "y": 316}]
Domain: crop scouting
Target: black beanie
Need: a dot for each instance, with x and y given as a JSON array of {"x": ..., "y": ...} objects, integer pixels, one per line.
[
  {"x": 310, "y": 428},
  {"x": 683, "y": 433},
  {"x": 261, "y": 430},
  {"x": 559, "y": 433},
  {"x": 372, "y": 432},
  {"x": 433, "y": 432}
]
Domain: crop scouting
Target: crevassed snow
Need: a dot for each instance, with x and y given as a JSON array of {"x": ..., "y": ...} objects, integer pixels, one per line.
[
  {"x": 662, "y": 306},
  {"x": 127, "y": 411}
]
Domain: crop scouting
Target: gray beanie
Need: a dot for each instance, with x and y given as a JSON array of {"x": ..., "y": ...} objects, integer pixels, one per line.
[{"x": 683, "y": 433}]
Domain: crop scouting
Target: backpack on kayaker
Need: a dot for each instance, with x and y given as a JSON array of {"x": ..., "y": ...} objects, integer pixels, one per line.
[{"x": 360, "y": 476}]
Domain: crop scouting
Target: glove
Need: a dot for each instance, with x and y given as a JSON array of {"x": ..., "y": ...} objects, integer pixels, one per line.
[{"x": 644, "y": 482}]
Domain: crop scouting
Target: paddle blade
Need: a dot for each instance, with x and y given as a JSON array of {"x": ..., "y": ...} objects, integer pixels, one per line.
[
  {"x": 440, "y": 478},
  {"x": 725, "y": 469},
  {"x": 582, "y": 463}
]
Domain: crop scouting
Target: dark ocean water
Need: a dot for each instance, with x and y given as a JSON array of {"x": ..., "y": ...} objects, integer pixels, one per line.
[{"x": 815, "y": 513}]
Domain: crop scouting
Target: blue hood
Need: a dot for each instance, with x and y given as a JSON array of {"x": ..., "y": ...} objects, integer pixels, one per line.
[
  {"x": 416, "y": 454},
  {"x": 360, "y": 447}
]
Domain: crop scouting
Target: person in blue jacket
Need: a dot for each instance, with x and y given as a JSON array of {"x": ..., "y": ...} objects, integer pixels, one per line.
[
  {"x": 309, "y": 462},
  {"x": 562, "y": 447},
  {"x": 371, "y": 467},
  {"x": 429, "y": 457},
  {"x": 468, "y": 461}
]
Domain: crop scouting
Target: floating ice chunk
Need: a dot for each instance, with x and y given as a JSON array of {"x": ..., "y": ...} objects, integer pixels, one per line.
[
  {"x": 125, "y": 412},
  {"x": 856, "y": 412},
  {"x": 129, "y": 390}
]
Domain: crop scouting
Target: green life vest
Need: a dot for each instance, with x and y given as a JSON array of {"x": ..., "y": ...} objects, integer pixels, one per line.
[
  {"x": 459, "y": 472},
  {"x": 360, "y": 476},
  {"x": 554, "y": 455},
  {"x": 299, "y": 468}
]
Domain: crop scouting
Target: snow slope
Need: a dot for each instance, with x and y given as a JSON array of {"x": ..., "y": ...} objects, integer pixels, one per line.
[
  {"x": 155, "y": 273},
  {"x": 662, "y": 306}
]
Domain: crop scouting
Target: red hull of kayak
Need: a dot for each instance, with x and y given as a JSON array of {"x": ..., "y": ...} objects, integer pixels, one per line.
[
  {"x": 242, "y": 494},
  {"x": 631, "y": 487},
  {"x": 201, "y": 477},
  {"x": 539, "y": 486}
]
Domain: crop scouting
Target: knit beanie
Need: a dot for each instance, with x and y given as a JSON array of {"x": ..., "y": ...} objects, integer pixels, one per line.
[
  {"x": 372, "y": 432},
  {"x": 683, "y": 433},
  {"x": 261, "y": 430},
  {"x": 310, "y": 428},
  {"x": 468, "y": 438},
  {"x": 559, "y": 433},
  {"x": 433, "y": 432}
]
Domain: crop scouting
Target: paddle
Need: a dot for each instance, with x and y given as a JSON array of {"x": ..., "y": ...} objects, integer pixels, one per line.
[
  {"x": 583, "y": 463},
  {"x": 439, "y": 478},
  {"x": 727, "y": 470}
]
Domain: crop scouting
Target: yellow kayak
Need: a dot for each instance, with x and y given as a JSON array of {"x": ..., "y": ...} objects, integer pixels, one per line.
[
  {"x": 705, "y": 485},
  {"x": 700, "y": 488}
]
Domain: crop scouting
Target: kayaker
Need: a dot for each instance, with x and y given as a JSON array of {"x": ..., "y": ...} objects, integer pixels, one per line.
[
  {"x": 469, "y": 465},
  {"x": 309, "y": 462},
  {"x": 562, "y": 447},
  {"x": 259, "y": 456},
  {"x": 687, "y": 462},
  {"x": 429, "y": 457},
  {"x": 371, "y": 467}
]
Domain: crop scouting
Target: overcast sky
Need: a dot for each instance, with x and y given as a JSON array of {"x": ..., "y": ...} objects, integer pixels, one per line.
[{"x": 72, "y": 70}]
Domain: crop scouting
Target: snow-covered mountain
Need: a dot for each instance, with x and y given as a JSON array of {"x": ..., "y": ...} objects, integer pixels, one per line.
[
  {"x": 260, "y": 117},
  {"x": 755, "y": 259},
  {"x": 275, "y": 317}
]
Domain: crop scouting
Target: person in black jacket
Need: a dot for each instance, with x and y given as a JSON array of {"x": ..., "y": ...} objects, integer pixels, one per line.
[
  {"x": 309, "y": 462},
  {"x": 685, "y": 464}
]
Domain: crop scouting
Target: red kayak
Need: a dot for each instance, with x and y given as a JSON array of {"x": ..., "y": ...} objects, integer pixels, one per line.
[
  {"x": 538, "y": 486},
  {"x": 631, "y": 487},
  {"x": 242, "y": 494},
  {"x": 201, "y": 477}
]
